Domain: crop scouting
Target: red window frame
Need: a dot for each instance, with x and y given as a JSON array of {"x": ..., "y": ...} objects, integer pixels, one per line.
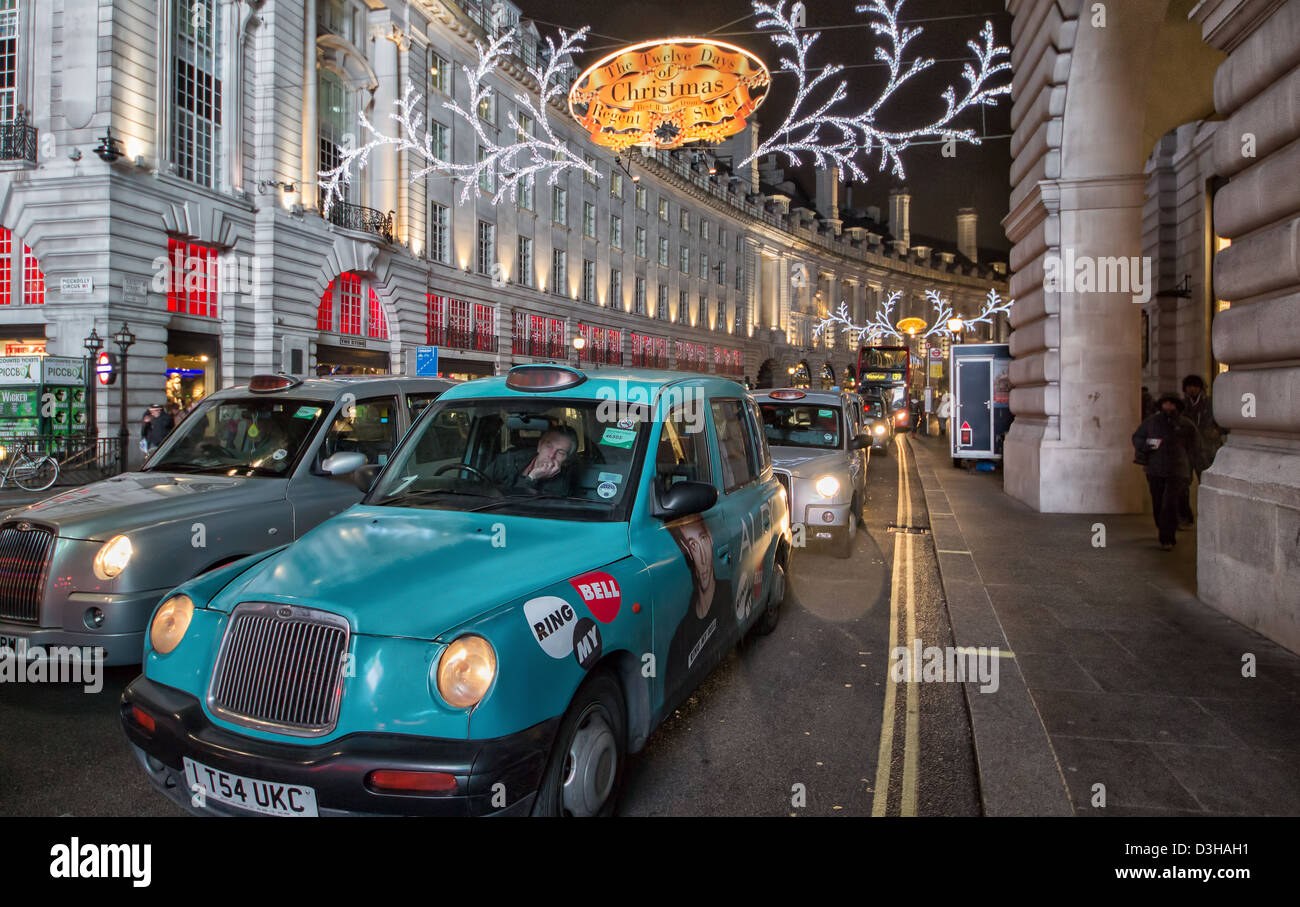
[
  {"x": 192, "y": 278},
  {"x": 33, "y": 279}
]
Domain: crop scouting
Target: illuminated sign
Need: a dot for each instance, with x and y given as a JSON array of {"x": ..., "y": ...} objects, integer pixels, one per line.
[
  {"x": 106, "y": 367},
  {"x": 36, "y": 348},
  {"x": 665, "y": 94}
]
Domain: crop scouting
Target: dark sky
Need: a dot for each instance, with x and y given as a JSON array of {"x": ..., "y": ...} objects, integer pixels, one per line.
[{"x": 976, "y": 176}]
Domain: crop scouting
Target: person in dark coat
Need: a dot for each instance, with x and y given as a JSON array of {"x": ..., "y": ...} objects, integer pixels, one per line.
[
  {"x": 1167, "y": 446},
  {"x": 155, "y": 426},
  {"x": 1200, "y": 412}
]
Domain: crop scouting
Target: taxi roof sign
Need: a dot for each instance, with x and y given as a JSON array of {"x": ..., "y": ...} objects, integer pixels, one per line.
[{"x": 543, "y": 378}]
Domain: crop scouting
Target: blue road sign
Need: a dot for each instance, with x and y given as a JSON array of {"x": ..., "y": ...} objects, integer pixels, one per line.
[{"x": 426, "y": 362}]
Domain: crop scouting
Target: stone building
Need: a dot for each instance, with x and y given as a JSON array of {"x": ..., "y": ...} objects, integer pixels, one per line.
[
  {"x": 1208, "y": 95},
  {"x": 160, "y": 170}
]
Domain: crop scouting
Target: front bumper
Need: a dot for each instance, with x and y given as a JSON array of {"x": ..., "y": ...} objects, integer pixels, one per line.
[
  {"x": 121, "y": 635},
  {"x": 335, "y": 770}
]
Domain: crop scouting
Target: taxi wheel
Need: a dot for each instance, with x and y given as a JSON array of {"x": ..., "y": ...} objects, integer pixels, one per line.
[
  {"x": 584, "y": 775},
  {"x": 842, "y": 544},
  {"x": 772, "y": 613}
]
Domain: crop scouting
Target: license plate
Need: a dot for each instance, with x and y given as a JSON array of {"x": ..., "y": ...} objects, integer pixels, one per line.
[
  {"x": 11, "y": 642},
  {"x": 270, "y": 798}
]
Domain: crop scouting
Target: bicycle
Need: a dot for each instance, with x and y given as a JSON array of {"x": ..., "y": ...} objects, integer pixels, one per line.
[{"x": 30, "y": 473}]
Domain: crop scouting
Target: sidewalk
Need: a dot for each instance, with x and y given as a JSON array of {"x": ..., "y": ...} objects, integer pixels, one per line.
[{"x": 1117, "y": 675}]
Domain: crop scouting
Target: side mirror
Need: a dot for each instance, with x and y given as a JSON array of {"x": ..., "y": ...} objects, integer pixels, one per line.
[
  {"x": 861, "y": 442},
  {"x": 365, "y": 476},
  {"x": 686, "y": 498},
  {"x": 343, "y": 463}
]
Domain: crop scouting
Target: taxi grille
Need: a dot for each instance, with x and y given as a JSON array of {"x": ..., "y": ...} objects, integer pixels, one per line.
[
  {"x": 281, "y": 669},
  {"x": 24, "y": 560},
  {"x": 784, "y": 479}
]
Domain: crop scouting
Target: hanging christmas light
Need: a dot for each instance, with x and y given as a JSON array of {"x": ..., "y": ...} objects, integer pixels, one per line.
[{"x": 882, "y": 323}]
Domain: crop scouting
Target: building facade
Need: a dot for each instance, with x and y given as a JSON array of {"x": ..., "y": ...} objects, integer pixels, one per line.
[{"x": 160, "y": 170}]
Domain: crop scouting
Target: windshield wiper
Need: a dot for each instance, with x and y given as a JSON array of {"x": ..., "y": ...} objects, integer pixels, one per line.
[
  {"x": 528, "y": 499},
  {"x": 403, "y": 495}
]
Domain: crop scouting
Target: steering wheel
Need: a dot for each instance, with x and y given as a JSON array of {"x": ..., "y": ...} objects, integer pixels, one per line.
[
  {"x": 214, "y": 448},
  {"x": 466, "y": 467}
]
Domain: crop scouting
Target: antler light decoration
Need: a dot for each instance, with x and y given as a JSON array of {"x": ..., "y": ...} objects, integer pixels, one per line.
[{"x": 882, "y": 323}]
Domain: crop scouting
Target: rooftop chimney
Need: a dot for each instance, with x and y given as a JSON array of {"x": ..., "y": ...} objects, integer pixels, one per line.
[
  {"x": 900, "y": 204},
  {"x": 966, "y": 223},
  {"x": 828, "y": 192}
]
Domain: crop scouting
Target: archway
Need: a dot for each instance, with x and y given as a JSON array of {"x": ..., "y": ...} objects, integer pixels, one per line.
[{"x": 767, "y": 373}]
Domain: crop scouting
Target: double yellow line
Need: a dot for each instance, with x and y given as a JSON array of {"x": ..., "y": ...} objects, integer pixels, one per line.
[{"x": 902, "y": 597}]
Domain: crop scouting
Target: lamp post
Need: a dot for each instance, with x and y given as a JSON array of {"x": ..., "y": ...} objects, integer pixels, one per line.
[
  {"x": 93, "y": 344},
  {"x": 579, "y": 343},
  {"x": 124, "y": 339}
]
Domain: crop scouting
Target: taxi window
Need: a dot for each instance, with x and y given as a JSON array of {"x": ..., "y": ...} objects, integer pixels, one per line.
[
  {"x": 735, "y": 446},
  {"x": 416, "y": 403},
  {"x": 758, "y": 438},
  {"x": 683, "y": 451},
  {"x": 367, "y": 426}
]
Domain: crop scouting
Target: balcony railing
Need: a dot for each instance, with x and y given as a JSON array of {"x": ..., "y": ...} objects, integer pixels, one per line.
[
  {"x": 589, "y": 356},
  {"x": 539, "y": 348},
  {"x": 18, "y": 141},
  {"x": 361, "y": 218},
  {"x": 461, "y": 339}
]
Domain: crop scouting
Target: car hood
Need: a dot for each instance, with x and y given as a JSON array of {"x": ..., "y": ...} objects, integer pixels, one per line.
[
  {"x": 395, "y": 571},
  {"x": 805, "y": 462},
  {"x": 134, "y": 499}
]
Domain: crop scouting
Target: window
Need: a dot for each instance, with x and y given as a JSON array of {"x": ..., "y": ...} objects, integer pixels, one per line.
[
  {"x": 525, "y": 127},
  {"x": 641, "y": 197},
  {"x": 34, "y": 281},
  {"x": 590, "y": 162},
  {"x": 640, "y": 242},
  {"x": 376, "y": 323},
  {"x": 196, "y": 92},
  {"x": 704, "y": 230},
  {"x": 735, "y": 444},
  {"x": 684, "y": 218},
  {"x": 588, "y": 280},
  {"x": 560, "y": 205},
  {"x": 335, "y": 120},
  {"x": 661, "y": 310},
  {"x": 418, "y": 403},
  {"x": 487, "y": 247},
  {"x": 348, "y": 288},
  {"x": 616, "y": 231},
  {"x": 684, "y": 259},
  {"x": 639, "y": 297},
  {"x": 439, "y": 73},
  {"x": 559, "y": 271},
  {"x": 487, "y": 107},
  {"x": 589, "y": 220},
  {"x": 663, "y": 251},
  {"x": 683, "y": 451},
  {"x": 721, "y": 322},
  {"x": 616, "y": 185},
  {"x": 702, "y": 313},
  {"x": 440, "y": 136},
  {"x": 663, "y": 210},
  {"x": 192, "y": 287},
  {"x": 8, "y": 59},
  {"x": 440, "y": 233},
  {"x": 704, "y": 266},
  {"x": 740, "y": 242},
  {"x": 369, "y": 428},
  {"x": 526, "y": 194},
  {"x": 722, "y": 273},
  {"x": 615, "y": 299},
  {"x": 722, "y": 237},
  {"x": 740, "y": 278},
  {"x": 487, "y": 177},
  {"x": 526, "y": 261},
  {"x": 683, "y": 307}
]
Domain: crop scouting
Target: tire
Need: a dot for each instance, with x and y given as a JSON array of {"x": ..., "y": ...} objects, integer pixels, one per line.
[
  {"x": 780, "y": 591},
  {"x": 37, "y": 475},
  {"x": 592, "y": 733}
]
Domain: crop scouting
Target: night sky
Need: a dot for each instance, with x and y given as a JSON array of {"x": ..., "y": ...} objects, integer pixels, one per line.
[{"x": 977, "y": 176}]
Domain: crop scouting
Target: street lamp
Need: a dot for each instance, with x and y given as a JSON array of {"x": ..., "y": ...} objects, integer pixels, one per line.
[
  {"x": 956, "y": 326},
  {"x": 579, "y": 343},
  {"x": 124, "y": 340},
  {"x": 93, "y": 344}
]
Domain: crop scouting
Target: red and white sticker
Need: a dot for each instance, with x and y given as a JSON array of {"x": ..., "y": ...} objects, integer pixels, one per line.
[{"x": 600, "y": 593}]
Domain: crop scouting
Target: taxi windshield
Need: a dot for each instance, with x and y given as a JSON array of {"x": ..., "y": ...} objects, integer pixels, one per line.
[
  {"x": 560, "y": 459},
  {"x": 801, "y": 425},
  {"x": 255, "y": 436}
]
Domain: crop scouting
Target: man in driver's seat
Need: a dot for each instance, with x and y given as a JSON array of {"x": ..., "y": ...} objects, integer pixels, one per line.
[{"x": 541, "y": 471}]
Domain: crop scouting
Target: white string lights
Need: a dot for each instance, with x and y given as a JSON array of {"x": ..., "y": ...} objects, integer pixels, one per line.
[
  {"x": 882, "y": 325},
  {"x": 817, "y": 127}
]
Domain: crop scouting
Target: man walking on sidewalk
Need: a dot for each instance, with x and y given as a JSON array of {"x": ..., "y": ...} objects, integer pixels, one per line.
[
  {"x": 1167, "y": 445},
  {"x": 1200, "y": 412}
]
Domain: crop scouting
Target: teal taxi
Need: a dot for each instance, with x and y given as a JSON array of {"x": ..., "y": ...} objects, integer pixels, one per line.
[{"x": 546, "y": 566}]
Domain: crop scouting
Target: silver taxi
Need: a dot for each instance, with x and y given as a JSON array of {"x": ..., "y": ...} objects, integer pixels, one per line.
[
  {"x": 251, "y": 468},
  {"x": 819, "y": 442}
]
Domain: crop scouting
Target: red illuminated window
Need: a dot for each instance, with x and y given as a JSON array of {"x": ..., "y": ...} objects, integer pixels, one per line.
[
  {"x": 485, "y": 329},
  {"x": 33, "y": 279},
  {"x": 192, "y": 278},
  {"x": 349, "y": 289},
  {"x": 377, "y": 326},
  {"x": 6, "y": 278},
  {"x": 325, "y": 312},
  {"x": 437, "y": 319}
]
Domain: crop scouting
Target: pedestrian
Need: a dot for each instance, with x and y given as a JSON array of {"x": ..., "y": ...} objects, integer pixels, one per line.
[
  {"x": 155, "y": 426},
  {"x": 1200, "y": 412},
  {"x": 1166, "y": 444},
  {"x": 945, "y": 412}
]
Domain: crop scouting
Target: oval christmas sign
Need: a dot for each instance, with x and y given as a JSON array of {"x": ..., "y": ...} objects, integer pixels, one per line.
[{"x": 669, "y": 93}]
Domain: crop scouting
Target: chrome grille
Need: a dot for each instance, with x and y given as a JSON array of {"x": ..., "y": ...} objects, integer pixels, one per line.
[
  {"x": 24, "y": 560},
  {"x": 784, "y": 479},
  {"x": 281, "y": 669}
]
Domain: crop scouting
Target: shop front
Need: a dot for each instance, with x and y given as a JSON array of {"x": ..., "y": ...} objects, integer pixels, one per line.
[
  {"x": 350, "y": 356},
  {"x": 464, "y": 369},
  {"x": 193, "y": 363}
]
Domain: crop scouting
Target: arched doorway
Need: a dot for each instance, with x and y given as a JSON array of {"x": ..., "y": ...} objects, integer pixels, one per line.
[
  {"x": 800, "y": 374},
  {"x": 350, "y": 308},
  {"x": 827, "y": 378},
  {"x": 767, "y": 373}
]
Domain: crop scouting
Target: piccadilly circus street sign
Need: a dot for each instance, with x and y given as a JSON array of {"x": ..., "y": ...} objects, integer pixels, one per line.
[{"x": 669, "y": 93}]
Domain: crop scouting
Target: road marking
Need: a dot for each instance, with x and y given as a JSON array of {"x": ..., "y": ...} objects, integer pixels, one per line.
[
  {"x": 912, "y": 727},
  {"x": 885, "y": 754},
  {"x": 951, "y": 551}
]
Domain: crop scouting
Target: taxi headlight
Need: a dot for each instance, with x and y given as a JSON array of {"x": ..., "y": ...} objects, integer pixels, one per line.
[
  {"x": 113, "y": 557},
  {"x": 828, "y": 486},
  {"x": 465, "y": 671},
  {"x": 879, "y": 429},
  {"x": 170, "y": 623}
]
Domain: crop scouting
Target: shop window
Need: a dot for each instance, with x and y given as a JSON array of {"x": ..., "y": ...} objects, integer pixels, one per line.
[
  {"x": 192, "y": 283},
  {"x": 377, "y": 328},
  {"x": 348, "y": 289},
  {"x": 349, "y": 303},
  {"x": 33, "y": 279}
]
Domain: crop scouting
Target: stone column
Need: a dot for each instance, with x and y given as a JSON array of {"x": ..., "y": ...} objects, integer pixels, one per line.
[{"x": 1248, "y": 538}]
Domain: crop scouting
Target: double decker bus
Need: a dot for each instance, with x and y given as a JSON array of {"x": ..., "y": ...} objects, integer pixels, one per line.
[{"x": 886, "y": 371}]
